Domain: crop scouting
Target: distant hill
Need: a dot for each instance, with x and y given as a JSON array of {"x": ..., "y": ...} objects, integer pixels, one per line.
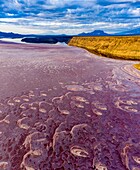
[
  {"x": 94, "y": 33},
  {"x": 32, "y": 38},
  {"x": 51, "y": 39},
  {"x": 14, "y": 35},
  {"x": 10, "y": 35},
  {"x": 130, "y": 32},
  {"x": 135, "y": 31}
]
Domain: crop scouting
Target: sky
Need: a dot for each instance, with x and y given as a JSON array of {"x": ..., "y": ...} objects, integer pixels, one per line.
[{"x": 68, "y": 16}]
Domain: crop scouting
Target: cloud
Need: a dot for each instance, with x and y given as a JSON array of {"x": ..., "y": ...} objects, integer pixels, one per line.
[
  {"x": 125, "y": 1},
  {"x": 68, "y": 16},
  {"x": 22, "y": 29},
  {"x": 135, "y": 12}
]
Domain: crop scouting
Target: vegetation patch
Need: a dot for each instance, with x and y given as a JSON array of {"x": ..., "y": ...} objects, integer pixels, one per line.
[{"x": 119, "y": 47}]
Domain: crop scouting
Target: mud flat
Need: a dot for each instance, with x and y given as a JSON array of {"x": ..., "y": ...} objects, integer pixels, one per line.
[{"x": 63, "y": 108}]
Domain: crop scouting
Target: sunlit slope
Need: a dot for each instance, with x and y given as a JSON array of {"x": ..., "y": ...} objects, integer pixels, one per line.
[{"x": 123, "y": 47}]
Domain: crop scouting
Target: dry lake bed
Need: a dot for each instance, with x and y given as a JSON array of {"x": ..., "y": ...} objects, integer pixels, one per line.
[{"x": 62, "y": 108}]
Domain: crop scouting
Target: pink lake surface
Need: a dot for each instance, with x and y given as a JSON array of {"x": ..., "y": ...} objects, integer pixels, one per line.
[{"x": 63, "y": 108}]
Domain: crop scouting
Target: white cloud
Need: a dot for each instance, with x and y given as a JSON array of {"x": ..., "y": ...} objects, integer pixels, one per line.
[
  {"x": 67, "y": 16},
  {"x": 10, "y": 15},
  {"x": 124, "y": 1},
  {"x": 39, "y": 26},
  {"x": 12, "y": 20},
  {"x": 21, "y": 29},
  {"x": 135, "y": 12},
  {"x": 13, "y": 4},
  {"x": 62, "y": 3}
]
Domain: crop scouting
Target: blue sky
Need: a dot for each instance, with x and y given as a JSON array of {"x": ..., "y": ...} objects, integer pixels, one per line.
[{"x": 68, "y": 16}]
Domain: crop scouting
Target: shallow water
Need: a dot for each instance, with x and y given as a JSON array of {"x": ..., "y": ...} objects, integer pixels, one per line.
[
  {"x": 64, "y": 108},
  {"x": 14, "y": 40}
]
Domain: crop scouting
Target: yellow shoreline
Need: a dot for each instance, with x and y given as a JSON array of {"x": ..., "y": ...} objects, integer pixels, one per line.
[
  {"x": 119, "y": 47},
  {"x": 137, "y": 66}
]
